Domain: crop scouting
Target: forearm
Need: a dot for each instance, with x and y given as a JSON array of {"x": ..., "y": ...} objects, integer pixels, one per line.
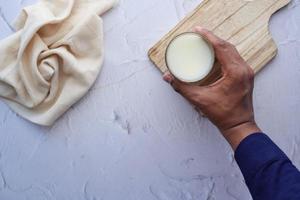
[{"x": 268, "y": 172}]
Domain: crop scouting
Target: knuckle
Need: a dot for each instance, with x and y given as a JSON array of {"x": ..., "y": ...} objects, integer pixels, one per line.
[
  {"x": 251, "y": 73},
  {"x": 245, "y": 77},
  {"x": 197, "y": 98},
  {"x": 247, "y": 73},
  {"x": 234, "y": 70},
  {"x": 239, "y": 73},
  {"x": 205, "y": 31},
  {"x": 222, "y": 44},
  {"x": 192, "y": 95}
]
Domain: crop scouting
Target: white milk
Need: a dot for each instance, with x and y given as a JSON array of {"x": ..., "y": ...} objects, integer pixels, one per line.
[{"x": 189, "y": 57}]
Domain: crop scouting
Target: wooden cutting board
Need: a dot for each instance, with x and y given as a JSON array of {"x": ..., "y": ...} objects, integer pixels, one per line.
[{"x": 244, "y": 23}]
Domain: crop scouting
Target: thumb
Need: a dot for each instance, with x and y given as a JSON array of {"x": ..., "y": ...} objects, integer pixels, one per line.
[{"x": 225, "y": 52}]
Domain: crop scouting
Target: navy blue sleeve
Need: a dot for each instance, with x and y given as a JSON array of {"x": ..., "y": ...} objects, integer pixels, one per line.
[{"x": 268, "y": 172}]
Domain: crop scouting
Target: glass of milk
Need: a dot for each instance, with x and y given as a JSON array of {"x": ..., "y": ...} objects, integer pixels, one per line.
[{"x": 190, "y": 58}]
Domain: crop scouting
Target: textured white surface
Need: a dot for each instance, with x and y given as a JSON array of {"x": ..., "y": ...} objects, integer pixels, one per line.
[{"x": 132, "y": 137}]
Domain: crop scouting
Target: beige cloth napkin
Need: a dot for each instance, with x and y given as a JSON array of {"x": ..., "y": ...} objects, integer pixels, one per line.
[{"x": 53, "y": 58}]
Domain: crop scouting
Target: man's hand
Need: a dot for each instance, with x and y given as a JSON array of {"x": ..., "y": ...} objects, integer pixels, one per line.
[{"x": 227, "y": 102}]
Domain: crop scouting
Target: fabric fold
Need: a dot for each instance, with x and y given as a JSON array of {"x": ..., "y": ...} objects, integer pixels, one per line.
[{"x": 53, "y": 58}]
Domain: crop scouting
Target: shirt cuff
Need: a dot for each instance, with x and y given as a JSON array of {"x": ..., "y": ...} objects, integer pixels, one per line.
[{"x": 256, "y": 151}]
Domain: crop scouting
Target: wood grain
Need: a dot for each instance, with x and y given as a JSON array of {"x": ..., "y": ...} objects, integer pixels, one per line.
[{"x": 244, "y": 23}]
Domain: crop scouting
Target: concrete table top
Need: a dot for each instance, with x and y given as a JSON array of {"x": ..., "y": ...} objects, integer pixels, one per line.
[{"x": 132, "y": 137}]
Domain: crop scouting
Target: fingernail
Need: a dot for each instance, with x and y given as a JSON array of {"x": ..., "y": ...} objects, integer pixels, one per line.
[{"x": 168, "y": 78}]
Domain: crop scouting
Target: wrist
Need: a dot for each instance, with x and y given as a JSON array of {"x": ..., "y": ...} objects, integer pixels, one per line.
[{"x": 237, "y": 134}]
